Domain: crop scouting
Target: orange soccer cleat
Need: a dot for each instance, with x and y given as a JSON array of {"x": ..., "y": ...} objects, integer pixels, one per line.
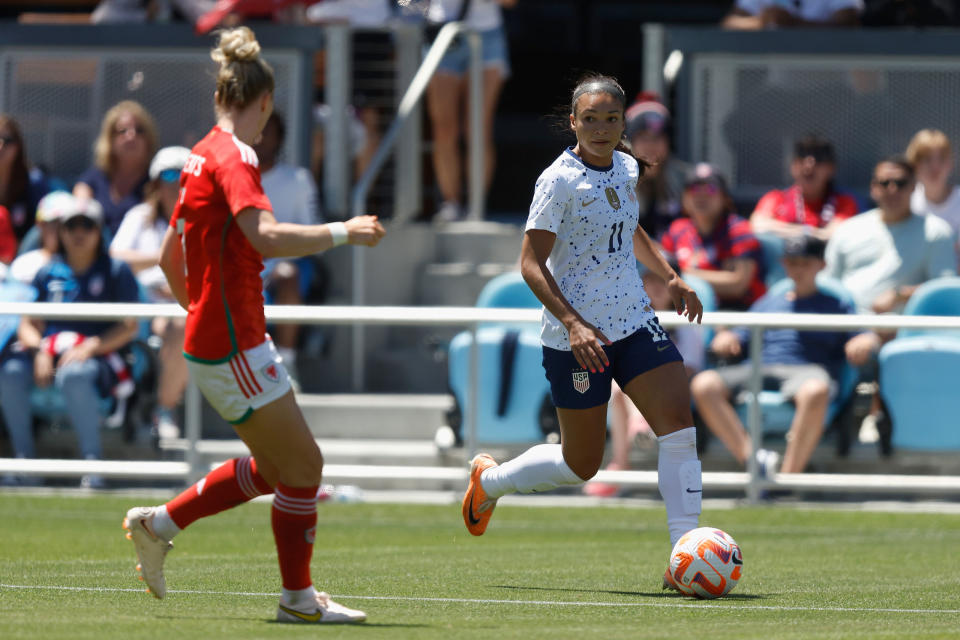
[{"x": 477, "y": 507}]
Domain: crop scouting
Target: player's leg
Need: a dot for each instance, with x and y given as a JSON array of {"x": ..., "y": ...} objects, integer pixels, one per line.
[
  {"x": 278, "y": 435},
  {"x": 811, "y": 398},
  {"x": 662, "y": 396},
  {"x": 581, "y": 400}
]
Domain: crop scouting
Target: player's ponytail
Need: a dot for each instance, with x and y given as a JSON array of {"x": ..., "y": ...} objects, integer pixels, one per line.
[{"x": 244, "y": 76}]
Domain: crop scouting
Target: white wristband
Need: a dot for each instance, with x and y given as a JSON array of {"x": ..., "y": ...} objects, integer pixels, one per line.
[{"x": 338, "y": 231}]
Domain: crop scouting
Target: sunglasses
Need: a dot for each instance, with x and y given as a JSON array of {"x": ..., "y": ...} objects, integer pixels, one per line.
[
  {"x": 80, "y": 222},
  {"x": 170, "y": 176},
  {"x": 8, "y": 140},
  {"x": 704, "y": 188},
  {"x": 899, "y": 182}
]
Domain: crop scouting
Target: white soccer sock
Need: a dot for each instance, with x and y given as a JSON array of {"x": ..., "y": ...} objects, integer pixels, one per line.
[
  {"x": 539, "y": 468},
  {"x": 163, "y": 525},
  {"x": 678, "y": 471},
  {"x": 294, "y": 597}
]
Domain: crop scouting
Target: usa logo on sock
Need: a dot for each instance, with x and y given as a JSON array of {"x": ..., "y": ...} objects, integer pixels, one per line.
[{"x": 581, "y": 381}]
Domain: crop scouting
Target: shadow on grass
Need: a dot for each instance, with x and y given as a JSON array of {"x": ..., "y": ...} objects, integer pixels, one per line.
[
  {"x": 353, "y": 625},
  {"x": 647, "y": 594}
]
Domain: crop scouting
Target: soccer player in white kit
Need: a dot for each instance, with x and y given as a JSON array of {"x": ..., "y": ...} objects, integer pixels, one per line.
[{"x": 578, "y": 253}]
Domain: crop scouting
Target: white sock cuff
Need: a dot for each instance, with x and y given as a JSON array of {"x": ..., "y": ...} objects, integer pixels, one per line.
[
  {"x": 681, "y": 438},
  {"x": 163, "y": 525}
]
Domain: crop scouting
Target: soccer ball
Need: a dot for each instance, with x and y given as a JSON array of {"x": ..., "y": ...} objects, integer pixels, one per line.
[{"x": 705, "y": 563}]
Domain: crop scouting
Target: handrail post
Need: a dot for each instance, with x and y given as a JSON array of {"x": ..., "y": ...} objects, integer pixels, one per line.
[
  {"x": 476, "y": 144},
  {"x": 472, "y": 413},
  {"x": 191, "y": 430},
  {"x": 753, "y": 418}
]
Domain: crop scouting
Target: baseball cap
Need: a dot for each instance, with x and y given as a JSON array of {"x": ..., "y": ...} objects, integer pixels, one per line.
[
  {"x": 88, "y": 208},
  {"x": 804, "y": 246},
  {"x": 646, "y": 115},
  {"x": 53, "y": 205},
  {"x": 704, "y": 173},
  {"x": 820, "y": 149},
  {"x": 168, "y": 158}
]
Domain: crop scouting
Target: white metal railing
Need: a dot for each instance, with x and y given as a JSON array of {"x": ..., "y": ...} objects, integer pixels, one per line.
[{"x": 472, "y": 318}]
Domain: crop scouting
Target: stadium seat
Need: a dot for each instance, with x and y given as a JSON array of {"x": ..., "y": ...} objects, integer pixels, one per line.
[
  {"x": 512, "y": 388},
  {"x": 776, "y": 412},
  {"x": 13, "y": 291},
  {"x": 918, "y": 386},
  {"x": 937, "y": 297},
  {"x": 772, "y": 246}
]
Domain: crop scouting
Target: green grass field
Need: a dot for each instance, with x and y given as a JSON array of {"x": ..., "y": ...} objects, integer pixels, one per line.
[{"x": 66, "y": 571}]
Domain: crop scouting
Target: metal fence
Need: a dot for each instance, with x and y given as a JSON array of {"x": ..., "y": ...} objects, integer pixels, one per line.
[{"x": 472, "y": 318}]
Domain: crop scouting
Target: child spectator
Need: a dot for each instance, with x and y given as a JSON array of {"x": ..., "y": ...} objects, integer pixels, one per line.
[{"x": 50, "y": 209}]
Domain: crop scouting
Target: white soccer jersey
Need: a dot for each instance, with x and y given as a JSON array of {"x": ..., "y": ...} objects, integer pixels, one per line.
[{"x": 594, "y": 213}]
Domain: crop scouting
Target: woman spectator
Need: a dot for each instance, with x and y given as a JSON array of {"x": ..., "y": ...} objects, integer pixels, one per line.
[
  {"x": 21, "y": 186},
  {"x": 50, "y": 209},
  {"x": 931, "y": 154},
  {"x": 137, "y": 243},
  {"x": 76, "y": 356},
  {"x": 121, "y": 156},
  {"x": 714, "y": 243}
]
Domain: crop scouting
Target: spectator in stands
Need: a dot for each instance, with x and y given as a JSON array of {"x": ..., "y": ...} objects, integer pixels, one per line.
[
  {"x": 78, "y": 357},
  {"x": 137, "y": 243},
  {"x": 912, "y": 13},
  {"x": 752, "y": 15},
  {"x": 714, "y": 243},
  {"x": 121, "y": 157},
  {"x": 293, "y": 194},
  {"x": 447, "y": 95},
  {"x": 126, "y": 11},
  {"x": 881, "y": 256},
  {"x": 812, "y": 205},
  {"x": 649, "y": 129},
  {"x": 49, "y": 211},
  {"x": 931, "y": 154},
  {"x": 21, "y": 186},
  {"x": 803, "y": 365}
]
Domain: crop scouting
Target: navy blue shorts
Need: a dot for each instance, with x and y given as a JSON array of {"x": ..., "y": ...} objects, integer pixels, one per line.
[{"x": 573, "y": 387}]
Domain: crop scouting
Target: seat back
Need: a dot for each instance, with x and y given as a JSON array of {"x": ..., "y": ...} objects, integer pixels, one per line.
[
  {"x": 507, "y": 291},
  {"x": 918, "y": 385},
  {"x": 13, "y": 291},
  {"x": 937, "y": 297}
]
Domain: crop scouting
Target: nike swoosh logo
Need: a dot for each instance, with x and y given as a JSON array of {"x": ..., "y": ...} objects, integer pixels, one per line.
[
  {"x": 663, "y": 347},
  {"x": 472, "y": 519},
  {"x": 308, "y": 617},
  {"x": 587, "y": 203},
  {"x": 694, "y": 490},
  {"x": 143, "y": 523}
]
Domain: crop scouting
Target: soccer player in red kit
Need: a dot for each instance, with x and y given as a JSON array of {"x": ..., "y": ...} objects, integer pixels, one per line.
[{"x": 212, "y": 255}]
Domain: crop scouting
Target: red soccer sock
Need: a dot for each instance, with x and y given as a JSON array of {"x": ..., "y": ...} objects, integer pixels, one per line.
[
  {"x": 234, "y": 482},
  {"x": 294, "y": 519}
]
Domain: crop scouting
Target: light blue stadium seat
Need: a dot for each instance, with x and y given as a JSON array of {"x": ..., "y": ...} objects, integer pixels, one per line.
[
  {"x": 518, "y": 381},
  {"x": 772, "y": 246},
  {"x": 776, "y": 411},
  {"x": 918, "y": 383},
  {"x": 937, "y": 297}
]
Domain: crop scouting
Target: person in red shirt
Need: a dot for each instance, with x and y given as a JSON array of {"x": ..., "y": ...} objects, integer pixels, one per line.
[
  {"x": 212, "y": 255},
  {"x": 812, "y": 205},
  {"x": 715, "y": 244}
]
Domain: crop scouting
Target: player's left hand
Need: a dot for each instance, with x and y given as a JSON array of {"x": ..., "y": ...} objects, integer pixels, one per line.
[{"x": 685, "y": 299}]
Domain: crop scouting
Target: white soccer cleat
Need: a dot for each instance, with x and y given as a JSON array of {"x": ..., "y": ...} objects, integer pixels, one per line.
[
  {"x": 151, "y": 548},
  {"x": 319, "y": 610}
]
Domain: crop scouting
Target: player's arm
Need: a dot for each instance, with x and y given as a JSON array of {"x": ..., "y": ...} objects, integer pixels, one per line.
[
  {"x": 684, "y": 298},
  {"x": 536, "y": 248},
  {"x": 172, "y": 264},
  {"x": 274, "y": 239}
]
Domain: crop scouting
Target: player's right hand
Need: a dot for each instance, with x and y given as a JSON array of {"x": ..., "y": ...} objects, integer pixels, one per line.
[
  {"x": 365, "y": 230},
  {"x": 586, "y": 344}
]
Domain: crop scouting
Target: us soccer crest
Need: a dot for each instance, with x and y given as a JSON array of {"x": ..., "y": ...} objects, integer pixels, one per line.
[
  {"x": 581, "y": 381},
  {"x": 271, "y": 373},
  {"x": 612, "y": 197}
]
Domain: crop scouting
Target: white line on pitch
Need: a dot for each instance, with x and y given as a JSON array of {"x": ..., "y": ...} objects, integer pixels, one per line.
[{"x": 550, "y": 603}]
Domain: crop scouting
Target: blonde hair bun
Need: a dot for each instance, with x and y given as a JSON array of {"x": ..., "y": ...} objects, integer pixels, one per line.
[{"x": 236, "y": 45}]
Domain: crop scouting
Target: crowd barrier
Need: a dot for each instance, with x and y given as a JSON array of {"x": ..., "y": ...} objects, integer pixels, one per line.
[{"x": 472, "y": 318}]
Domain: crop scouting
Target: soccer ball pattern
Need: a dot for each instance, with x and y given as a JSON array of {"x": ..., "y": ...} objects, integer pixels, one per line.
[{"x": 706, "y": 563}]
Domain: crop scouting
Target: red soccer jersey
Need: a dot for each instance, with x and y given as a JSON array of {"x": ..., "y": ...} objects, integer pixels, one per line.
[
  {"x": 789, "y": 206},
  {"x": 220, "y": 179}
]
